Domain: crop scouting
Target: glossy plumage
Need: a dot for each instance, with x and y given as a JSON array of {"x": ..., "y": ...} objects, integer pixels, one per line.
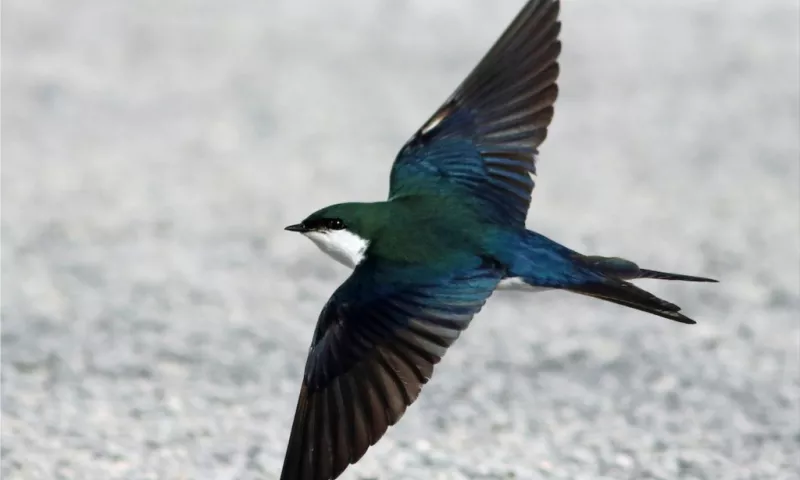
[
  {"x": 483, "y": 141},
  {"x": 375, "y": 345},
  {"x": 427, "y": 259}
]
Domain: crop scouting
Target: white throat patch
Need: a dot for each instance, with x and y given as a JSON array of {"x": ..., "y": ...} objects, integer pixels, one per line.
[{"x": 343, "y": 246}]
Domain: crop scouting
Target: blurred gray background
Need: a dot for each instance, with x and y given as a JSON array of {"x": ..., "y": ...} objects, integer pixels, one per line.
[{"x": 156, "y": 316}]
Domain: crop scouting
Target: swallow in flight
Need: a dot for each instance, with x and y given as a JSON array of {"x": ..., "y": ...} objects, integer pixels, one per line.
[{"x": 425, "y": 260}]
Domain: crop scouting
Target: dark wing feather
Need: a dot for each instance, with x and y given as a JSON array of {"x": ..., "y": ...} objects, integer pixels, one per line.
[
  {"x": 375, "y": 345},
  {"x": 483, "y": 141}
]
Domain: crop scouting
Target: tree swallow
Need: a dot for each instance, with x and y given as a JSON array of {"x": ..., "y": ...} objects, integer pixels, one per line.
[{"x": 451, "y": 232}]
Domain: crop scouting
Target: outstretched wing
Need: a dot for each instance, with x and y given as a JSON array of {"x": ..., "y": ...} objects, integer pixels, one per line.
[
  {"x": 483, "y": 141},
  {"x": 375, "y": 345}
]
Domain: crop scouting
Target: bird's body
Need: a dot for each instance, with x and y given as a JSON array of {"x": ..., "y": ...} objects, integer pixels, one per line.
[
  {"x": 417, "y": 229},
  {"x": 425, "y": 260},
  {"x": 436, "y": 230}
]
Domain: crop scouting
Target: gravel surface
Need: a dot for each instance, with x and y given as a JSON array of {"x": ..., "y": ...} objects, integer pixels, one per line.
[{"x": 156, "y": 316}]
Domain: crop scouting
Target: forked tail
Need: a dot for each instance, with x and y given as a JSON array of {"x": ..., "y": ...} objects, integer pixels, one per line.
[
  {"x": 540, "y": 262},
  {"x": 627, "y": 270},
  {"x": 644, "y": 273},
  {"x": 614, "y": 288},
  {"x": 629, "y": 295}
]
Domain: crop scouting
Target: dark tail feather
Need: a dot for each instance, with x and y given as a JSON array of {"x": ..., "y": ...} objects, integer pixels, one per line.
[
  {"x": 629, "y": 295},
  {"x": 643, "y": 273},
  {"x": 625, "y": 269}
]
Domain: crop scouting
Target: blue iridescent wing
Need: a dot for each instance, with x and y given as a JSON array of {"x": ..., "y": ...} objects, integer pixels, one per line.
[
  {"x": 483, "y": 141},
  {"x": 375, "y": 345}
]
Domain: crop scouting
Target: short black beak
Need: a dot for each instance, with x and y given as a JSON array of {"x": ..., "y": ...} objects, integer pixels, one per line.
[{"x": 296, "y": 228}]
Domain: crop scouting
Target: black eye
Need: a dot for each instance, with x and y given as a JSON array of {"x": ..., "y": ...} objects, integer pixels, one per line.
[{"x": 334, "y": 224}]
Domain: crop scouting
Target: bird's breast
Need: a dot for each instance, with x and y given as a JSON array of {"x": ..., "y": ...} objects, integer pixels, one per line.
[{"x": 343, "y": 246}]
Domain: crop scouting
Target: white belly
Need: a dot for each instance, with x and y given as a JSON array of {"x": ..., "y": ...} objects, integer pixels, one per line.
[{"x": 518, "y": 285}]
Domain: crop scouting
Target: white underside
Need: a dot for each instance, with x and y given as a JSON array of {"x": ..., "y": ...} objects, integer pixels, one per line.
[
  {"x": 348, "y": 249},
  {"x": 343, "y": 246},
  {"x": 516, "y": 284}
]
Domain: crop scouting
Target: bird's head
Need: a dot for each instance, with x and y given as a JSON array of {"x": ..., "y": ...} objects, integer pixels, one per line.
[{"x": 343, "y": 231}]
